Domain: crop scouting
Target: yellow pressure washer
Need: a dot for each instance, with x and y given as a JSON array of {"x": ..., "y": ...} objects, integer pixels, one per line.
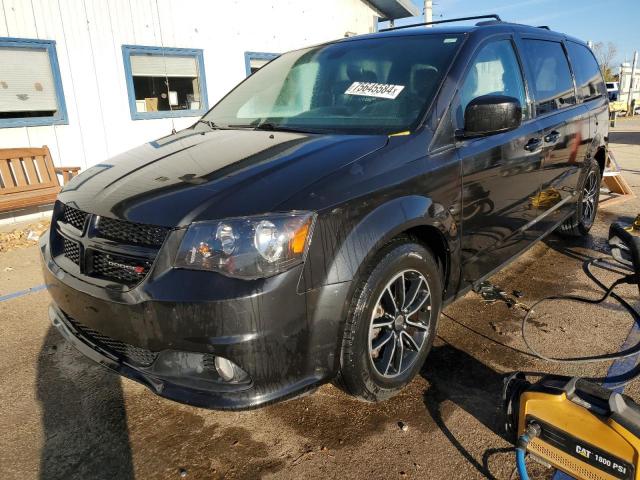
[{"x": 574, "y": 425}]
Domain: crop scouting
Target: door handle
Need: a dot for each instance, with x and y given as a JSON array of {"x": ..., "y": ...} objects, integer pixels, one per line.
[
  {"x": 533, "y": 144},
  {"x": 552, "y": 137}
]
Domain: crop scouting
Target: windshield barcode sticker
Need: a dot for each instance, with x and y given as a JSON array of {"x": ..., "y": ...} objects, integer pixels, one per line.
[{"x": 380, "y": 90}]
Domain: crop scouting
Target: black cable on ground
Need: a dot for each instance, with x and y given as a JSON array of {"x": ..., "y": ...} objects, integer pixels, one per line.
[{"x": 609, "y": 292}]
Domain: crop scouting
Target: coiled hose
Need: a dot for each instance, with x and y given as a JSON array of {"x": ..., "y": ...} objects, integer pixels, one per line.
[{"x": 627, "y": 278}]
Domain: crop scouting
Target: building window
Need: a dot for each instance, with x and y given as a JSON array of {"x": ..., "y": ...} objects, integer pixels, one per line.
[
  {"x": 254, "y": 61},
  {"x": 30, "y": 87},
  {"x": 165, "y": 82}
]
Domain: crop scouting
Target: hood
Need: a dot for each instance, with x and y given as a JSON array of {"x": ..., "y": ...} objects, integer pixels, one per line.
[{"x": 193, "y": 175}]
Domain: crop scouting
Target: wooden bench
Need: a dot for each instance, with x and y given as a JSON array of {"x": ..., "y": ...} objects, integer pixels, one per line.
[{"x": 28, "y": 178}]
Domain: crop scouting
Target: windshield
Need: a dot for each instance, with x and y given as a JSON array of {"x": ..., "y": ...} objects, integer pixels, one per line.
[{"x": 379, "y": 85}]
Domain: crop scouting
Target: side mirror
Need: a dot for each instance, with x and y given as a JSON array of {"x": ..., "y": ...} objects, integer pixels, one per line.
[{"x": 491, "y": 114}]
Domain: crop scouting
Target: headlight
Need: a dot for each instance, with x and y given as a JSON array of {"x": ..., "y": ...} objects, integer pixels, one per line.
[{"x": 248, "y": 247}]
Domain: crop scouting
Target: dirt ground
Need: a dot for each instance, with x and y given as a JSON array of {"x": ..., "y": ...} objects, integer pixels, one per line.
[
  {"x": 64, "y": 417},
  {"x": 21, "y": 235}
]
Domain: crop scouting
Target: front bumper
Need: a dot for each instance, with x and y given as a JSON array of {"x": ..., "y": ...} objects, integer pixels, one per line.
[{"x": 288, "y": 343}]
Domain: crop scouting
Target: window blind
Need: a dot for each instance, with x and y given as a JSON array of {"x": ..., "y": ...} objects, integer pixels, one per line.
[
  {"x": 26, "y": 80},
  {"x": 145, "y": 65},
  {"x": 258, "y": 63}
]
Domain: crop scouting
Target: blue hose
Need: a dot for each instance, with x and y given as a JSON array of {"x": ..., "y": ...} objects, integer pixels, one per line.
[{"x": 522, "y": 468}]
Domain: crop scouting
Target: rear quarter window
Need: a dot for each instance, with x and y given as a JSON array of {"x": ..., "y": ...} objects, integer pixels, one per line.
[
  {"x": 587, "y": 72},
  {"x": 550, "y": 74}
]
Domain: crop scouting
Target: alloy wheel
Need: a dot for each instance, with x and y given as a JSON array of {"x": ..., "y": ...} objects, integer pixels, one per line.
[{"x": 400, "y": 323}]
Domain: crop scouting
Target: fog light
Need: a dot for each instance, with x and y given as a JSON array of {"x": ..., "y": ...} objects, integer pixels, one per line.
[{"x": 229, "y": 371}]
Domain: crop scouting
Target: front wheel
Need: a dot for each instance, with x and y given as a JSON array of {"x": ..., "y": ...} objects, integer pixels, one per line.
[
  {"x": 579, "y": 224},
  {"x": 392, "y": 321}
]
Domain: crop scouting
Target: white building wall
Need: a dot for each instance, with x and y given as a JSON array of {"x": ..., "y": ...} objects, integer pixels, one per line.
[
  {"x": 89, "y": 35},
  {"x": 625, "y": 73}
]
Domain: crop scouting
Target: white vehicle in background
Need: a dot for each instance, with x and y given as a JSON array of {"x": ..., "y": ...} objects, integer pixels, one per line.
[{"x": 613, "y": 90}]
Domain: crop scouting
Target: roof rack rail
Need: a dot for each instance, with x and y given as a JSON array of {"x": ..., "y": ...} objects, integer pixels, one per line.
[
  {"x": 436, "y": 22},
  {"x": 546, "y": 27}
]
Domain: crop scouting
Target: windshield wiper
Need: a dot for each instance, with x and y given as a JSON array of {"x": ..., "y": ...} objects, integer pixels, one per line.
[
  {"x": 273, "y": 127},
  {"x": 212, "y": 125}
]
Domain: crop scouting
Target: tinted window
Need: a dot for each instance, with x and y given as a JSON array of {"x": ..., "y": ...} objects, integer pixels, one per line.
[
  {"x": 552, "y": 82},
  {"x": 495, "y": 70},
  {"x": 587, "y": 72},
  {"x": 379, "y": 85}
]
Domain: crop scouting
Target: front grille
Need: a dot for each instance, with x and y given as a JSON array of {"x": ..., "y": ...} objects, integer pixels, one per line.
[
  {"x": 136, "y": 355},
  {"x": 126, "y": 270},
  {"x": 137, "y": 245},
  {"x": 71, "y": 251},
  {"x": 133, "y": 233},
  {"x": 74, "y": 217}
]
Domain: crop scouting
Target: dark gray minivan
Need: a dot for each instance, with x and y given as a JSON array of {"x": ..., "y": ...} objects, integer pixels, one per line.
[{"x": 314, "y": 222}]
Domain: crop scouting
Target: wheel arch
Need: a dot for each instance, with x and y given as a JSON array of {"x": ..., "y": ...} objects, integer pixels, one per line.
[
  {"x": 433, "y": 238},
  {"x": 601, "y": 157},
  {"x": 416, "y": 216}
]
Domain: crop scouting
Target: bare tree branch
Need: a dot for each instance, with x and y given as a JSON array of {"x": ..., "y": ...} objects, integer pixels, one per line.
[{"x": 606, "y": 55}]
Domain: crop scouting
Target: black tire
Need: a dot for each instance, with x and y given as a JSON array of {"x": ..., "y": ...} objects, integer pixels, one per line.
[
  {"x": 362, "y": 371},
  {"x": 579, "y": 224}
]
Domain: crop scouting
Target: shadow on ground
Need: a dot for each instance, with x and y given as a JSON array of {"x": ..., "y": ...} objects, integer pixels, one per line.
[
  {"x": 84, "y": 419},
  {"x": 624, "y": 136},
  {"x": 458, "y": 379}
]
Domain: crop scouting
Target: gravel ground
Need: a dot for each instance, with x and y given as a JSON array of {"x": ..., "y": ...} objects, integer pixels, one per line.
[{"x": 64, "y": 417}]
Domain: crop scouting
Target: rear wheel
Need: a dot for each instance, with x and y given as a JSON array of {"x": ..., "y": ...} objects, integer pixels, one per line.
[
  {"x": 392, "y": 321},
  {"x": 579, "y": 224}
]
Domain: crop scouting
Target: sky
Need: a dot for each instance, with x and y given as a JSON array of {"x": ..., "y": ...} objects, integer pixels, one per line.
[{"x": 616, "y": 21}]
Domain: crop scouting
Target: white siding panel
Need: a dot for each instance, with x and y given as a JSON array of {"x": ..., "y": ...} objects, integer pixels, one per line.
[
  {"x": 13, "y": 137},
  {"x": 107, "y": 75},
  {"x": 81, "y": 62},
  {"x": 122, "y": 24},
  {"x": 123, "y": 133},
  {"x": 173, "y": 32},
  {"x": 20, "y": 18},
  {"x": 142, "y": 14},
  {"x": 152, "y": 14},
  {"x": 4, "y": 23}
]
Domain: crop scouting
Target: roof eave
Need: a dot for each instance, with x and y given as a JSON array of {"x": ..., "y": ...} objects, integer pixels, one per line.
[{"x": 394, "y": 9}]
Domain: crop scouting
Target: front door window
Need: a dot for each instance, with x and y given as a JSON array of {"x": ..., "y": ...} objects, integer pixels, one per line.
[{"x": 495, "y": 71}]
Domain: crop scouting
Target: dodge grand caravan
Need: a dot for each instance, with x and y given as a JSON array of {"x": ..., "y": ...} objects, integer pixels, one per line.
[{"x": 313, "y": 223}]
